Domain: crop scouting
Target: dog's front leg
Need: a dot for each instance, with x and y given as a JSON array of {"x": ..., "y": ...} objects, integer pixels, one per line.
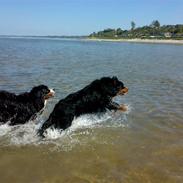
[
  {"x": 115, "y": 106},
  {"x": 122, "y": 107}
]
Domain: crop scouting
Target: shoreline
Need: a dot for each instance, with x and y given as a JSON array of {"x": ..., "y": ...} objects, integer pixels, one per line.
[
  {"x": 147, "y": 41},
  {"x": 155, "y": 41}
]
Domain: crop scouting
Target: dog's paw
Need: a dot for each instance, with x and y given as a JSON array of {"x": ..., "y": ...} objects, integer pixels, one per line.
[{"x": 123, "y": 108}]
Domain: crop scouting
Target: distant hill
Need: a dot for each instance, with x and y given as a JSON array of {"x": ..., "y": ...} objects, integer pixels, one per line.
[{"x": 152, "y": 31}]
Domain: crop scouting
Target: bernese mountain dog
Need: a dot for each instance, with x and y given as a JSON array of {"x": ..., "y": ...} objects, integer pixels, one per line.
[
  {"x": 19, "y": 109},
  {"x": 94, "y": 98}
]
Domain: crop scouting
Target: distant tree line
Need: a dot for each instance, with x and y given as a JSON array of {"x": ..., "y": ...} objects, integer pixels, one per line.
[{"x": 154, "y": 30}]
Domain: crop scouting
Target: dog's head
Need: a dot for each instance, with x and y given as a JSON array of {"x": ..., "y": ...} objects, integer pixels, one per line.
[
  {"x": 113, "y": 87},
  {"x": 42, "y": 92}
]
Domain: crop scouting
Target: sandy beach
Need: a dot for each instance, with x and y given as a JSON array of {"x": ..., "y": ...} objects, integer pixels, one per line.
[{"x": 171, "y": 41}]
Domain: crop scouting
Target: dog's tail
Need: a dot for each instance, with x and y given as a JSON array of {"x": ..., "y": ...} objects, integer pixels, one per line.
[{"x": 45, "y": 125}]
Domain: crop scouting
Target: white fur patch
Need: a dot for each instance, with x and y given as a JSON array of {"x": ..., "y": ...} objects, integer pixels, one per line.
[{"x": 52, "y": 91}]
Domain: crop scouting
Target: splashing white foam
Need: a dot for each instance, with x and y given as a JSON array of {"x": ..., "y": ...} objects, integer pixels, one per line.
[
  {"x": 4, "y": 129},
  {"x": 27, "y": 134}
]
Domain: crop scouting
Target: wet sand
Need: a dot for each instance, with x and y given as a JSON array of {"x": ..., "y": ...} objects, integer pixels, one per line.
[{"x": 139, "y": 40}]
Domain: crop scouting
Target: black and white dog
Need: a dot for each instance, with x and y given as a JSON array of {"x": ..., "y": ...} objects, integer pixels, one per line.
[{"x": 19, "y": 109}]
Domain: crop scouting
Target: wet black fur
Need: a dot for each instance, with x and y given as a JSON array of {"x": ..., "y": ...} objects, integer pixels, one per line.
[
  {"x": 94, "y": 98},
  {"x": 19, "y": 109}
]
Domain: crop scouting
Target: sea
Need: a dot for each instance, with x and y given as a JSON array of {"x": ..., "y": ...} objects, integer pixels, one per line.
[{"x": 142, "y": 145}]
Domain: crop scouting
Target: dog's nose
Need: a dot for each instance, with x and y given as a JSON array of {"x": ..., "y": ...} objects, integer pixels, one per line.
[{"x": 126, "y": 89}]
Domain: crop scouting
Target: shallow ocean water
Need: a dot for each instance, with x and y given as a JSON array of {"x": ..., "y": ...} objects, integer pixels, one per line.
[{"x": 145, "y": 144}]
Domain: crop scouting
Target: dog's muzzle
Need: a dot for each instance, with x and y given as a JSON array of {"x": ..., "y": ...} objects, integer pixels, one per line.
[
  {"x": 50, "y": 94},
  {"x": 123, "y": 91}
]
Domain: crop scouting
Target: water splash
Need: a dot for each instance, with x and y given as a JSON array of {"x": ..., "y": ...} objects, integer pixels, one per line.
[{"x": 26, "y": 134}]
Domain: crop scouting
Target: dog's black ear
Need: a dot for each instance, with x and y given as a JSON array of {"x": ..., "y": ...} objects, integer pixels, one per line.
[
  {"x": 36, "y": 92},
  {"x": 115, "y": 80}
]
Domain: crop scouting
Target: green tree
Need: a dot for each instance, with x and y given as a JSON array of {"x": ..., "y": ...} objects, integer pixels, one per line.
[
  {"x": 119, "y": 31},
  {"x": 132, "y": 25},
  {"x": 155, "y": 24}
]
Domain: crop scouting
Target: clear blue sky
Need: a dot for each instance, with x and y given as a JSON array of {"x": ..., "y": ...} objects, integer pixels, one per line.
[{"x": 81, "y": 17}]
